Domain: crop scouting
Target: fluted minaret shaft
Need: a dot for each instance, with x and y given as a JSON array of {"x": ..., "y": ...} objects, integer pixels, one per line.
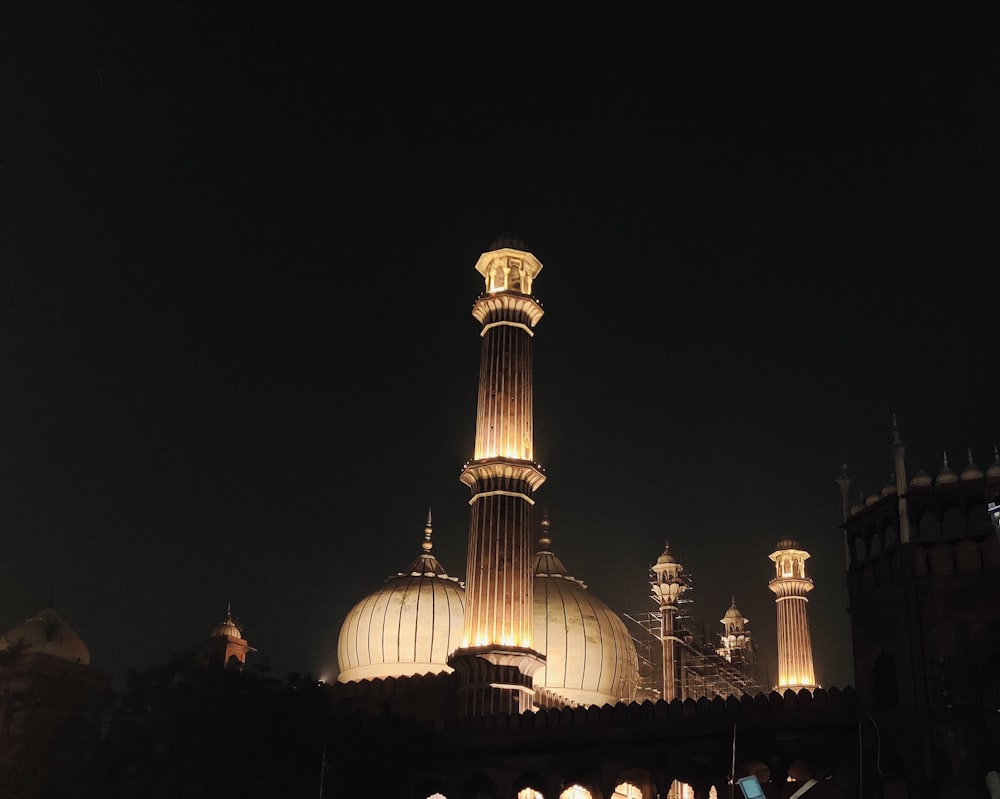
[
  {"x": 502, "y": 477},
  {"x": 790, "y": 585}
]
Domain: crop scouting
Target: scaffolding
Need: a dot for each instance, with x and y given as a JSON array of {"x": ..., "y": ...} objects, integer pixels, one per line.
[{"x": 705, "y": 669}]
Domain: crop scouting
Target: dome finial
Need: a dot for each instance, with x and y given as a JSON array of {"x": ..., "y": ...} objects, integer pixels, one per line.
[
  {"x": 427, "y": 545},
  {"x": 545, "y": 540},
  {"x": 946, "y": 466}
]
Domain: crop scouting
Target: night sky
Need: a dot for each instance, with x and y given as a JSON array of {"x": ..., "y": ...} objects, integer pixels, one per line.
[{"x": 237, "y": 249}]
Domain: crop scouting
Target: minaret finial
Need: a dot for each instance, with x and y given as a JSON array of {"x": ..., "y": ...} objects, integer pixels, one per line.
[
  {"x": 545, "y": 540},
  {"x": 427, "y": 545},
  {"x": 895, "y": 430}
]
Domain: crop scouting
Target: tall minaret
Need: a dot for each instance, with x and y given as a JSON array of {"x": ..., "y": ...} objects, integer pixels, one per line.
[
  {"x": 668, "y": 584},
  {"x": 496, "y": 659},
  {"x": 790, "y": 584},
  {"x": 899, "y": 455}
]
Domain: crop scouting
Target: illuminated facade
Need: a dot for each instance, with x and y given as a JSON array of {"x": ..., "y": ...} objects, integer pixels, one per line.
[
  {"x": 531, "y": 637},
  {"x": 497, "y": 658},
  {"x": 226, "y": 647},
  {"x": 790, "y": 585},
  {"x": 408, "y": 626}
]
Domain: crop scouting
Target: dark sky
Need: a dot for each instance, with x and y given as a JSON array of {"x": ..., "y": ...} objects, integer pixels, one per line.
[{"x": 237, "y": 362}]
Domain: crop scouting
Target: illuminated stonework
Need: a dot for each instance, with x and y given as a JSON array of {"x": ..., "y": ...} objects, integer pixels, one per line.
[
  {"x": 790, "y": 585},
  {"x": 502, "y": 475},
  {"x": 409, "y": 626},
  {"x": 590, "y": 658}
]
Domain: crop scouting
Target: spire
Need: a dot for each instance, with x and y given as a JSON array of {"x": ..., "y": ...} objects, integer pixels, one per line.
[
  {"x": 971, "y": 470},
  {"x": 546, "y": 563},
  {"x": 993, "y": 470},
  {"x": 426, "y": 565},
  {"x": 947, "y": 474},
  {"x": 844, "y": 481},
  {"x": 428, "y": 529},
  {"x": 902, "y": 504}
]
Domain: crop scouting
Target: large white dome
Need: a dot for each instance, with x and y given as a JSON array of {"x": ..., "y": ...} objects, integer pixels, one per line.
[
  {"x": 409, "y": 626},
  {"x": 589, "y": 655}
]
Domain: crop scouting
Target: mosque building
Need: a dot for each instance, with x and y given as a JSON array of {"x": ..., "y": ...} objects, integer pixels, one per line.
[
  {"x": 519, "y": 619},
  {"x": 520, "y": 637}
]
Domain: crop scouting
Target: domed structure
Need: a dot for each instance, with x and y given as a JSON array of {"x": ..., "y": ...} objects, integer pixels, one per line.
[
  {"x": 407, "y": 627},
  {"x": 971, "y": 471},
  {"x": 920, "y": 479},
  {"x": 589, "y": 655},
  {"x": 993, "y": 470},
  {"x": 228, "y": 626},
  {"x": 946, "y": 475},
  {"x": 46, "y": 634}
]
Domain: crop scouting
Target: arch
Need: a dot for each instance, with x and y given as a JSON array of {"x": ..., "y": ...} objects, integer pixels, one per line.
[
  {"x": 529, "y": 786},
  {"x": 929, "y": 527},
  {"x": 891, "y": 536},
  {"x": 978, "y": 521},
  {"x": 576, "y": 792},
  {"x": 626, "y": 790},
  {"x": 876, "y": 545},
  {"x": 952, "y": 523},
  {"x": 860, "y": 550}
]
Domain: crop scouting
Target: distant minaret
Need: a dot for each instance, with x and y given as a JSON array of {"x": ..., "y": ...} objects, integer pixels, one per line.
[
  {"x": 899, "y": 455},
  {"x": 668, "y": 585},
  {"x": 496, "y": 659},
  {"x": 226, "y": 647},
  {"x": 736, "y": 637},
  {"x": 790, "y": 584}
]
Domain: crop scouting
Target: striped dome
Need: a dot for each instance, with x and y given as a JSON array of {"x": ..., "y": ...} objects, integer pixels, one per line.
[
  {"x": 407, "y": 627},
  {"x": 589, "y": 655}
]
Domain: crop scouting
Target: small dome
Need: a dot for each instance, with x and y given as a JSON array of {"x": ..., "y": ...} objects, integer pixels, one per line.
[
  {"x": 787, "y": 543},
  {"x": 409, "y": 626},
  {"x": 590, "y": 658},
  {"x": 946, "y": 475},
  {"x": 733, "y": 617},
  {"x": 228, "y": 627},
  {"x": 666, "y": 557},
  {"x": 971, "y": 471},
  {"x": 890, "y": 487},
  {"x": 872, "y": 499},
  {"x": 921, "y": 478},
  {"x": 993, "y": 471},
  {"x": 857, "y": 507},
  {"x": 511, "y": 240},
  {"x": 47, "y": 634}
]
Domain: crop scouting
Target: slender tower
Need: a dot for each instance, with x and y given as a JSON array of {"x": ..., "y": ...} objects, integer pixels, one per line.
[
  {"x": 790, "y": 585},
  {"x": 496, "y": 660},
  {"x": 899, "y": 457},
  {"x": 668, "y": 585}
]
